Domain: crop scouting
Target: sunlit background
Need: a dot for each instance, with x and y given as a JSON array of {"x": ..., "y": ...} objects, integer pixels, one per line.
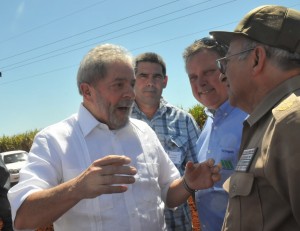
[{"x": 42, "y": 43}]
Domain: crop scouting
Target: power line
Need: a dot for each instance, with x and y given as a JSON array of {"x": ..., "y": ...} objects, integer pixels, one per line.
[
  {"x": 37, "y": 75},
  {"x": 149, "y": 45},
  {"x": 89, "y": 30},
  {"x": 52, "y": 21},
  {"x": 124, "y": 28},
  {"x": 152, "y": 44}
]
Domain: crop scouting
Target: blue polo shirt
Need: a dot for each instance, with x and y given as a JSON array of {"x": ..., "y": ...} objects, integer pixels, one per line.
[{"x": 220, "y": 139}]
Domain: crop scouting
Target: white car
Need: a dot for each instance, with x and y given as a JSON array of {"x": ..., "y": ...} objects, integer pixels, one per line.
[{"x": 14, "y": 161}]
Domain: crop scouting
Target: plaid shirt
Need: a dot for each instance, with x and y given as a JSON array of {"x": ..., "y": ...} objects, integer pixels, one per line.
[{"x": 178, "y": 132}]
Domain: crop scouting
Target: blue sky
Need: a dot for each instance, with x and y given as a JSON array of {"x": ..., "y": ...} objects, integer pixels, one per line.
[{"x": 42, "y": 43}]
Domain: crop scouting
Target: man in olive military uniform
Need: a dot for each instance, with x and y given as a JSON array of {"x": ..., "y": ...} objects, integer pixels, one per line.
[{"x": 262, "y": 72}]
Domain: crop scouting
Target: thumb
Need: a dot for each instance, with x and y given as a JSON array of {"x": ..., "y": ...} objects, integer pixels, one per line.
[{"x": 189, "y": 167}]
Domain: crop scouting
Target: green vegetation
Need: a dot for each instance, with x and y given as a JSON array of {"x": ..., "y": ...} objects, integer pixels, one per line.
[
  {"x": 16, "y": 142},
  {"x": 198, "y": 113},
  {"x": 24, "y": 141}
]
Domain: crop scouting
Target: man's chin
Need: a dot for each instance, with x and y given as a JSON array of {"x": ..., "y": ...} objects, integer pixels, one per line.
[{"x": 119, "y": 123}]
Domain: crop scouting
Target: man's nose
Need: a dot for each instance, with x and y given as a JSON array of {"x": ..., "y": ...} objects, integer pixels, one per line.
[
  {"x": 150, "y": 81},
  {"x": 129, "y": 92}
]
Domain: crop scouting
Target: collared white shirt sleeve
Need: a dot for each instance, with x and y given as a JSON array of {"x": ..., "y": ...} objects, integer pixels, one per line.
[{"x": 62, "y": 151}]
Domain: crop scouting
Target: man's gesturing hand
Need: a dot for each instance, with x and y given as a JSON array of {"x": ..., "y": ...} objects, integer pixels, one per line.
[
  {"x": 202, "y": 175},
  {"x": 107, "y": 175}
]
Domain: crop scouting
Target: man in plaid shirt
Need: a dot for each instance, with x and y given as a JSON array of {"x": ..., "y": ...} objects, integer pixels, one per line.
[{"x": 176, "y": 129}]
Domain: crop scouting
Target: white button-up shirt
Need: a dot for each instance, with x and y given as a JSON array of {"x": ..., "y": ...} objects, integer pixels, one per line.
[{"x": 64, "y": 150}]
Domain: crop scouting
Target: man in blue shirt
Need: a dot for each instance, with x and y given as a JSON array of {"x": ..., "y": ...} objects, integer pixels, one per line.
[
  {"x": 221, "y": 135},
  {"x": 175, "y": 128}
]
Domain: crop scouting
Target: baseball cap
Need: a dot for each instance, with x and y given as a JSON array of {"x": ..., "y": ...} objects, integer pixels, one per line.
[{"x": 276, "y": 26}]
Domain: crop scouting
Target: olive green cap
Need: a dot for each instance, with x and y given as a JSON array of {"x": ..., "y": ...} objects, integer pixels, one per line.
[{"x": 272, "y": 25}]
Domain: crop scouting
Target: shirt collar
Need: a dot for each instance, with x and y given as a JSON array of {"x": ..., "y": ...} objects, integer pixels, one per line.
[
  {"x": 224, "y": 109},
  {"x": 273, "y": 98},
  {"x": 87, "y": 121},
  {"x": 163, "y": 107}
]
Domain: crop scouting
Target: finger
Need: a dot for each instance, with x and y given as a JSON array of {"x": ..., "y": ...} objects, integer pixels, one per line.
[
  {"x": 189, "y": 167},
  {"x": 215, "y": 169},
  {"x": 210, "y": 162},
  {"x": 114, "y": 189},
  {"x": 116, "y": 179},
  {"x": 115, "y": 169},
  {"x": 112, "y": 160},
  {"x": 216, "y": 177}
]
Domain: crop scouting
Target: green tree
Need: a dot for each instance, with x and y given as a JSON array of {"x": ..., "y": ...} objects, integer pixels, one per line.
[{"x": 198, "y": 113}]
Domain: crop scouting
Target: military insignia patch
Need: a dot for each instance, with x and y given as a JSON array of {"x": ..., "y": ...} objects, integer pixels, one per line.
[
  {"x": 245, "y": 160},
  {"x": 286, "y": 104}
]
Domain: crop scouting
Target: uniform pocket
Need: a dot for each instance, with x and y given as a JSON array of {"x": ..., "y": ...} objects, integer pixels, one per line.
[
  {"x": 239, "y": 184},
  {"x": 176, "y": 147},
  {"x": 176, "y": 142},
  {"x": 243, "y": 197}
]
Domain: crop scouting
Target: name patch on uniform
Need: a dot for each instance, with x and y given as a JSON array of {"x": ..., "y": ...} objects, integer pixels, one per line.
[{"x": 245, "y": 160}]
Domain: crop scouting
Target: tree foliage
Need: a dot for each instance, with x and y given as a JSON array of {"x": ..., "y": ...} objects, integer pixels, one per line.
[{"x": 198, "y": 113}]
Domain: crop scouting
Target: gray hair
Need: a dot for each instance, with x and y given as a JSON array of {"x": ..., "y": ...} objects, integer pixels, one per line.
[
  {"x": 284, "y": 59},
  {"x": 93, "y": 66}
]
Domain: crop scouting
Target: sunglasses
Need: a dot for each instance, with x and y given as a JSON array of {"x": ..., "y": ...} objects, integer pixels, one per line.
[
  {"x": 211, "y": 42},
  {"x": 222, "y": 62}
]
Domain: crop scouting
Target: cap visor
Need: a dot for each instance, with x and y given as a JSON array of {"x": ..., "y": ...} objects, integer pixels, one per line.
[{"x": 222, "y": 37}]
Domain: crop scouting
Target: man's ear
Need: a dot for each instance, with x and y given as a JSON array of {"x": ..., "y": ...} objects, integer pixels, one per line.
[
  {"x": 259, "y": 58},
  {"x": 85, "y": 89},
  {"x": 165, "y": 82}
]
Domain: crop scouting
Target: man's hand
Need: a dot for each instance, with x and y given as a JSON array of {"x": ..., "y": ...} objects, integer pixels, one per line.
[
  {"x": 202, "y": 175},
  {"x": 105, "y": 176}
]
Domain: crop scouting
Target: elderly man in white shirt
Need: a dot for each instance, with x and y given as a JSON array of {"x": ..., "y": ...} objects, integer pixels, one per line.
[{"x": 98, "y": 169}]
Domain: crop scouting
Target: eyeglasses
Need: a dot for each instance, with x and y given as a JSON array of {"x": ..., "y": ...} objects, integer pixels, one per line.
[{"x": 222, "y": 62}]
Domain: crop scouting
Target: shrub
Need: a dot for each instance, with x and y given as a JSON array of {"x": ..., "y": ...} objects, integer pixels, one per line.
[
  {"x": 17, "y": 142},
  {"x": 198, "y": 113}
]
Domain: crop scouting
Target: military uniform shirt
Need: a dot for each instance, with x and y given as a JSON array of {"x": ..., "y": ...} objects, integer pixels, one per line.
[{"x": 264, "y": 191}]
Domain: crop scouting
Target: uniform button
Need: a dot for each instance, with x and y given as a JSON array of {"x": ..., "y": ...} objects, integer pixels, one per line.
[{"x": 233, "y": 188}]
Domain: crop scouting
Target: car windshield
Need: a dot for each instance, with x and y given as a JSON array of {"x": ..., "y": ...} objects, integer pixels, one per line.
[{"x": 16, "y": 157}]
